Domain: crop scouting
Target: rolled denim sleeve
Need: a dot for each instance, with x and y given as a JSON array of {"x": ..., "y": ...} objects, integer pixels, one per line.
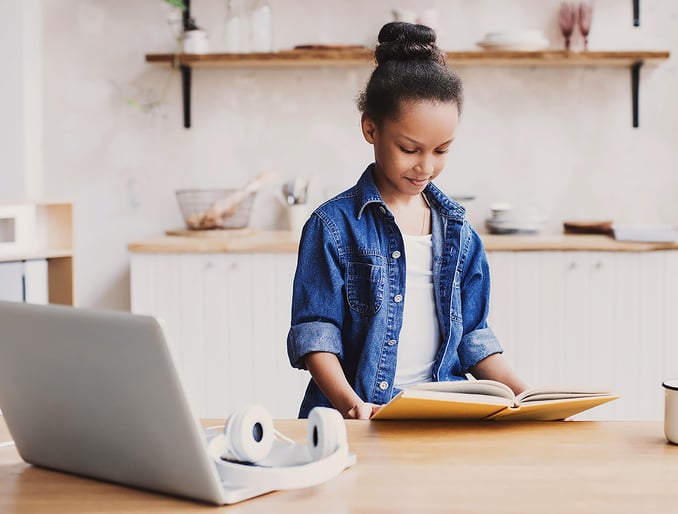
[
  {"x": 477, "y": 345},
  {"x": 313, "y": 336},
  {"x": 317, "y": 299},
  {"x": 478, "y": 341}
]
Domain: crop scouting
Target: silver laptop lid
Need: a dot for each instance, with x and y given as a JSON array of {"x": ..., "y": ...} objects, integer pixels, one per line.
[{"x": 96, "y": 393}]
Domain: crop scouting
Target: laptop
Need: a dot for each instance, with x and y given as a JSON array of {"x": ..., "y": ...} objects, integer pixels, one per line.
[{"x": 96, "y": 394}]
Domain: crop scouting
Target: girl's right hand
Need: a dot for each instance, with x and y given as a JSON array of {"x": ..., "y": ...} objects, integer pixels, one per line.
[{"x": 362, "y": 410}]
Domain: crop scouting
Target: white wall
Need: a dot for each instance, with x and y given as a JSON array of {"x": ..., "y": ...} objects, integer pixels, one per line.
[
  {"x": 557, "y": 139},
  {"x": 21, "y": 100}
]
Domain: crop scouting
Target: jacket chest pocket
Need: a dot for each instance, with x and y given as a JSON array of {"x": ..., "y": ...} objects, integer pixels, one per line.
[{"x": 365, "y": 287}]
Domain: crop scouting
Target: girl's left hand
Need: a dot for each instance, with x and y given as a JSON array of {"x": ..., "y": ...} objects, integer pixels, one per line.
[{"x": 362, "y": 410}]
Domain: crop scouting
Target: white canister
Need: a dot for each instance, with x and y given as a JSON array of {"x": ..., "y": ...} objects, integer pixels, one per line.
[
  {"x": 196, "y": 42},
  {"x": 671, "y": 409},
  {"x": 297, "y": 215},
  {"x": 262, "y": 27},
  {"x": 234, "y": 29}
]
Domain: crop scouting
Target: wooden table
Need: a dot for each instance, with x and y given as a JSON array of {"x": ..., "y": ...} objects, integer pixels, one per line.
[{"x": 549, "y": 467}]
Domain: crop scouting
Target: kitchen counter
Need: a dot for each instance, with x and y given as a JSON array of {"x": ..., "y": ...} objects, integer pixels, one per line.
[{"x": 255, "y": 241}]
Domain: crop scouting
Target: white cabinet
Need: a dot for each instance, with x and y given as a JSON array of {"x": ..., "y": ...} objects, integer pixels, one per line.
[
  {"x": 226, "y": 317},
  {"x": 24, "y": 281},
  {"x": 581, "y": 318},
  {"x": 591, "y": 318},
  {"x": 36, "y": 252}
]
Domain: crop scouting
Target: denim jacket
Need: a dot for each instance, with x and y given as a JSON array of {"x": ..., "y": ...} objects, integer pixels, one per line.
[{"x": 349, "y": 291}]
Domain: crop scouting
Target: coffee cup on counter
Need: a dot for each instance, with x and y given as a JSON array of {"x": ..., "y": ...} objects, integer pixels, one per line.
[
  {"x": 671, "y": 409},
  {"x": 297, "y": 215}
]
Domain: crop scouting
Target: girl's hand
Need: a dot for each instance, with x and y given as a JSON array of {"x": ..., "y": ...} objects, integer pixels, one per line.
[{"x": 362, "y": 410}]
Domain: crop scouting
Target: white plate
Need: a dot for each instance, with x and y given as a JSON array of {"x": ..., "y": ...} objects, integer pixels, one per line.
[
  {"x": 514, "y": 35},
  {"x": 513, "y": 226},
  {"x": 516, "y": 46}
]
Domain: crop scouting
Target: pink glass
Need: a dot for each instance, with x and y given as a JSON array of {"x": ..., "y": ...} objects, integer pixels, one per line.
[
  {"x": 567, "y": 19},
  {"x": 585, "y": 16}
]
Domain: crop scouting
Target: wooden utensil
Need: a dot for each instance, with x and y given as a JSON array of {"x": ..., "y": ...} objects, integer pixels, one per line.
[{"x": 226, "y": 206}]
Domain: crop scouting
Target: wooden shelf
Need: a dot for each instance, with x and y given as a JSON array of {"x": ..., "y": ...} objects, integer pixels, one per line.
[
  {"x": 632, "y": 59},
  {"x": 622, "y": 58},
  {"x": 314, "y": 57}
]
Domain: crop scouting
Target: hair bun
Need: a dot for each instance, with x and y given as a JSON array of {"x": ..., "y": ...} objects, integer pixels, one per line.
[{"x": 402, "y": 41}]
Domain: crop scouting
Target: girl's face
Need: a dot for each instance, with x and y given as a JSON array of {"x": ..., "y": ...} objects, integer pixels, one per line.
[{"x": 411, "y": 150}]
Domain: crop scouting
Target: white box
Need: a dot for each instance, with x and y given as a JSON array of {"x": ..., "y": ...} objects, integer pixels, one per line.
[
  {"x": 18, "y": 228},
  {"x": 647, "y": 234}
]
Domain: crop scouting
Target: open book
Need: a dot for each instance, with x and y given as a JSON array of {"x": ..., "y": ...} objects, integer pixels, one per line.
[{"x": 487, "y": 399}]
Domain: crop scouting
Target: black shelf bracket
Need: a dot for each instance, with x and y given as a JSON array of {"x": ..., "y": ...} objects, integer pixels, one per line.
[
  {"x": 186, "y": 93},
  {"x": 635, "y": 87},
  {"x": 186, "y": 74},
  {"x": 636, "y": 13}
]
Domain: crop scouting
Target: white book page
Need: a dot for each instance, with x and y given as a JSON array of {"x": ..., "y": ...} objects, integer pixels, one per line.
[
  {"x": 535, "y": 395},
  {"x": 479, "y": 387}
]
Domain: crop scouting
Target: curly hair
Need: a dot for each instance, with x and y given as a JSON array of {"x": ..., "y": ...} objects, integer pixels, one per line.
[{"x": 410, "y": 67}]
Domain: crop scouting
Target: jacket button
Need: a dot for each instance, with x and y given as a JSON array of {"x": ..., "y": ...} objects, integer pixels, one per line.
[
  {"x": 398, "y": 298},
  {"x": 391, "y": 342},
  {"x": 395, "y": 254},
  {"x": 383, "y": 211},
  {"x": 383, "y": 385}
]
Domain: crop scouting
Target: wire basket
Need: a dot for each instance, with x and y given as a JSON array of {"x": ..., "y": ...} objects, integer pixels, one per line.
[{"x": 194, "y": 204}]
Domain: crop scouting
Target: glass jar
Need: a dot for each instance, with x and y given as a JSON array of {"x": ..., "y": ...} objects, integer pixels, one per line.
[
  {"x": 233, "y": 31},
  {"x": 261, "y": 26}
]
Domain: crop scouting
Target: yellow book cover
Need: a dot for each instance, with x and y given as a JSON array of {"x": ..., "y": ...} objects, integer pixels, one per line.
[{"x": 488, "y": 399}]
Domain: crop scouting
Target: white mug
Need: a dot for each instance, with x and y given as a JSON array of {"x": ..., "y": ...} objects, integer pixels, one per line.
[
  {"x": 196, "y": 42},
  {"x": 297, "y": 216},
  {"x": 671, "y": 409}
]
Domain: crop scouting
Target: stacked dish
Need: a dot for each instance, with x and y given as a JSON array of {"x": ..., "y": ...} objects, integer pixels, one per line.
[
  {"x": 504, "y": 219},
  {"x": 517, "y": 40}
]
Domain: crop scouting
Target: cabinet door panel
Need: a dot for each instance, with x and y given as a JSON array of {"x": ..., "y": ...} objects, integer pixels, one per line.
[
  {"x": 168, "y": 304},
  {"x": 36, "y": 281},
  {"x": 11, "y": 281},
  {"x": 650, "y": 334},
  {"x": 577, "y": 315},
  {"x": 670, "y": 301},
  {"x": 220, "y": 371},
  {"x": 602, "y": 268},
  {"x": 626, "y": 334},
  {"x": 554, "y": 369},
  {"x": 188, "y": 307},
  {"x": 502, "y": 305},
  {"x": 226, "y": 318}
]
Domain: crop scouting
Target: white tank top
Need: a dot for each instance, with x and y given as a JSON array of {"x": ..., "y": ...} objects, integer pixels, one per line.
[{"x": 420, "y": 333}]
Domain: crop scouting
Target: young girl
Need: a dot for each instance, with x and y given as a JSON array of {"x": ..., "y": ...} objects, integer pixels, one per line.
[{"x": 392, "y": 283}]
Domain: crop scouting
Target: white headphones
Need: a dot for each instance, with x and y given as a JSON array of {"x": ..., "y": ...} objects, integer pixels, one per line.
[{"x": 249, "y": 455}]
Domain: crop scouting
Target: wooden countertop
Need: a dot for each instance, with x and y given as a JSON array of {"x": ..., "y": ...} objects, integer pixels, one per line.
[
  {"x": 254, "y": 241},
  {"x": 557, "y": 467}
]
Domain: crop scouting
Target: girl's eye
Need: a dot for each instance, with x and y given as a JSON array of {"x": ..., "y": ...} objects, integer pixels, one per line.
[
  {"x": 443, "y": 151},
  {"x": 405, "y": 150}
]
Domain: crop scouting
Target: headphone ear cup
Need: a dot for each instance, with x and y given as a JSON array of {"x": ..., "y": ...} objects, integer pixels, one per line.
[
  {"x": 326, "y": 431},
  {"x": 249, "y": 433}
]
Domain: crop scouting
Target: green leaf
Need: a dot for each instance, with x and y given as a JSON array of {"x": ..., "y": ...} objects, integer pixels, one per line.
[{"x": 179, "y": 4}]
